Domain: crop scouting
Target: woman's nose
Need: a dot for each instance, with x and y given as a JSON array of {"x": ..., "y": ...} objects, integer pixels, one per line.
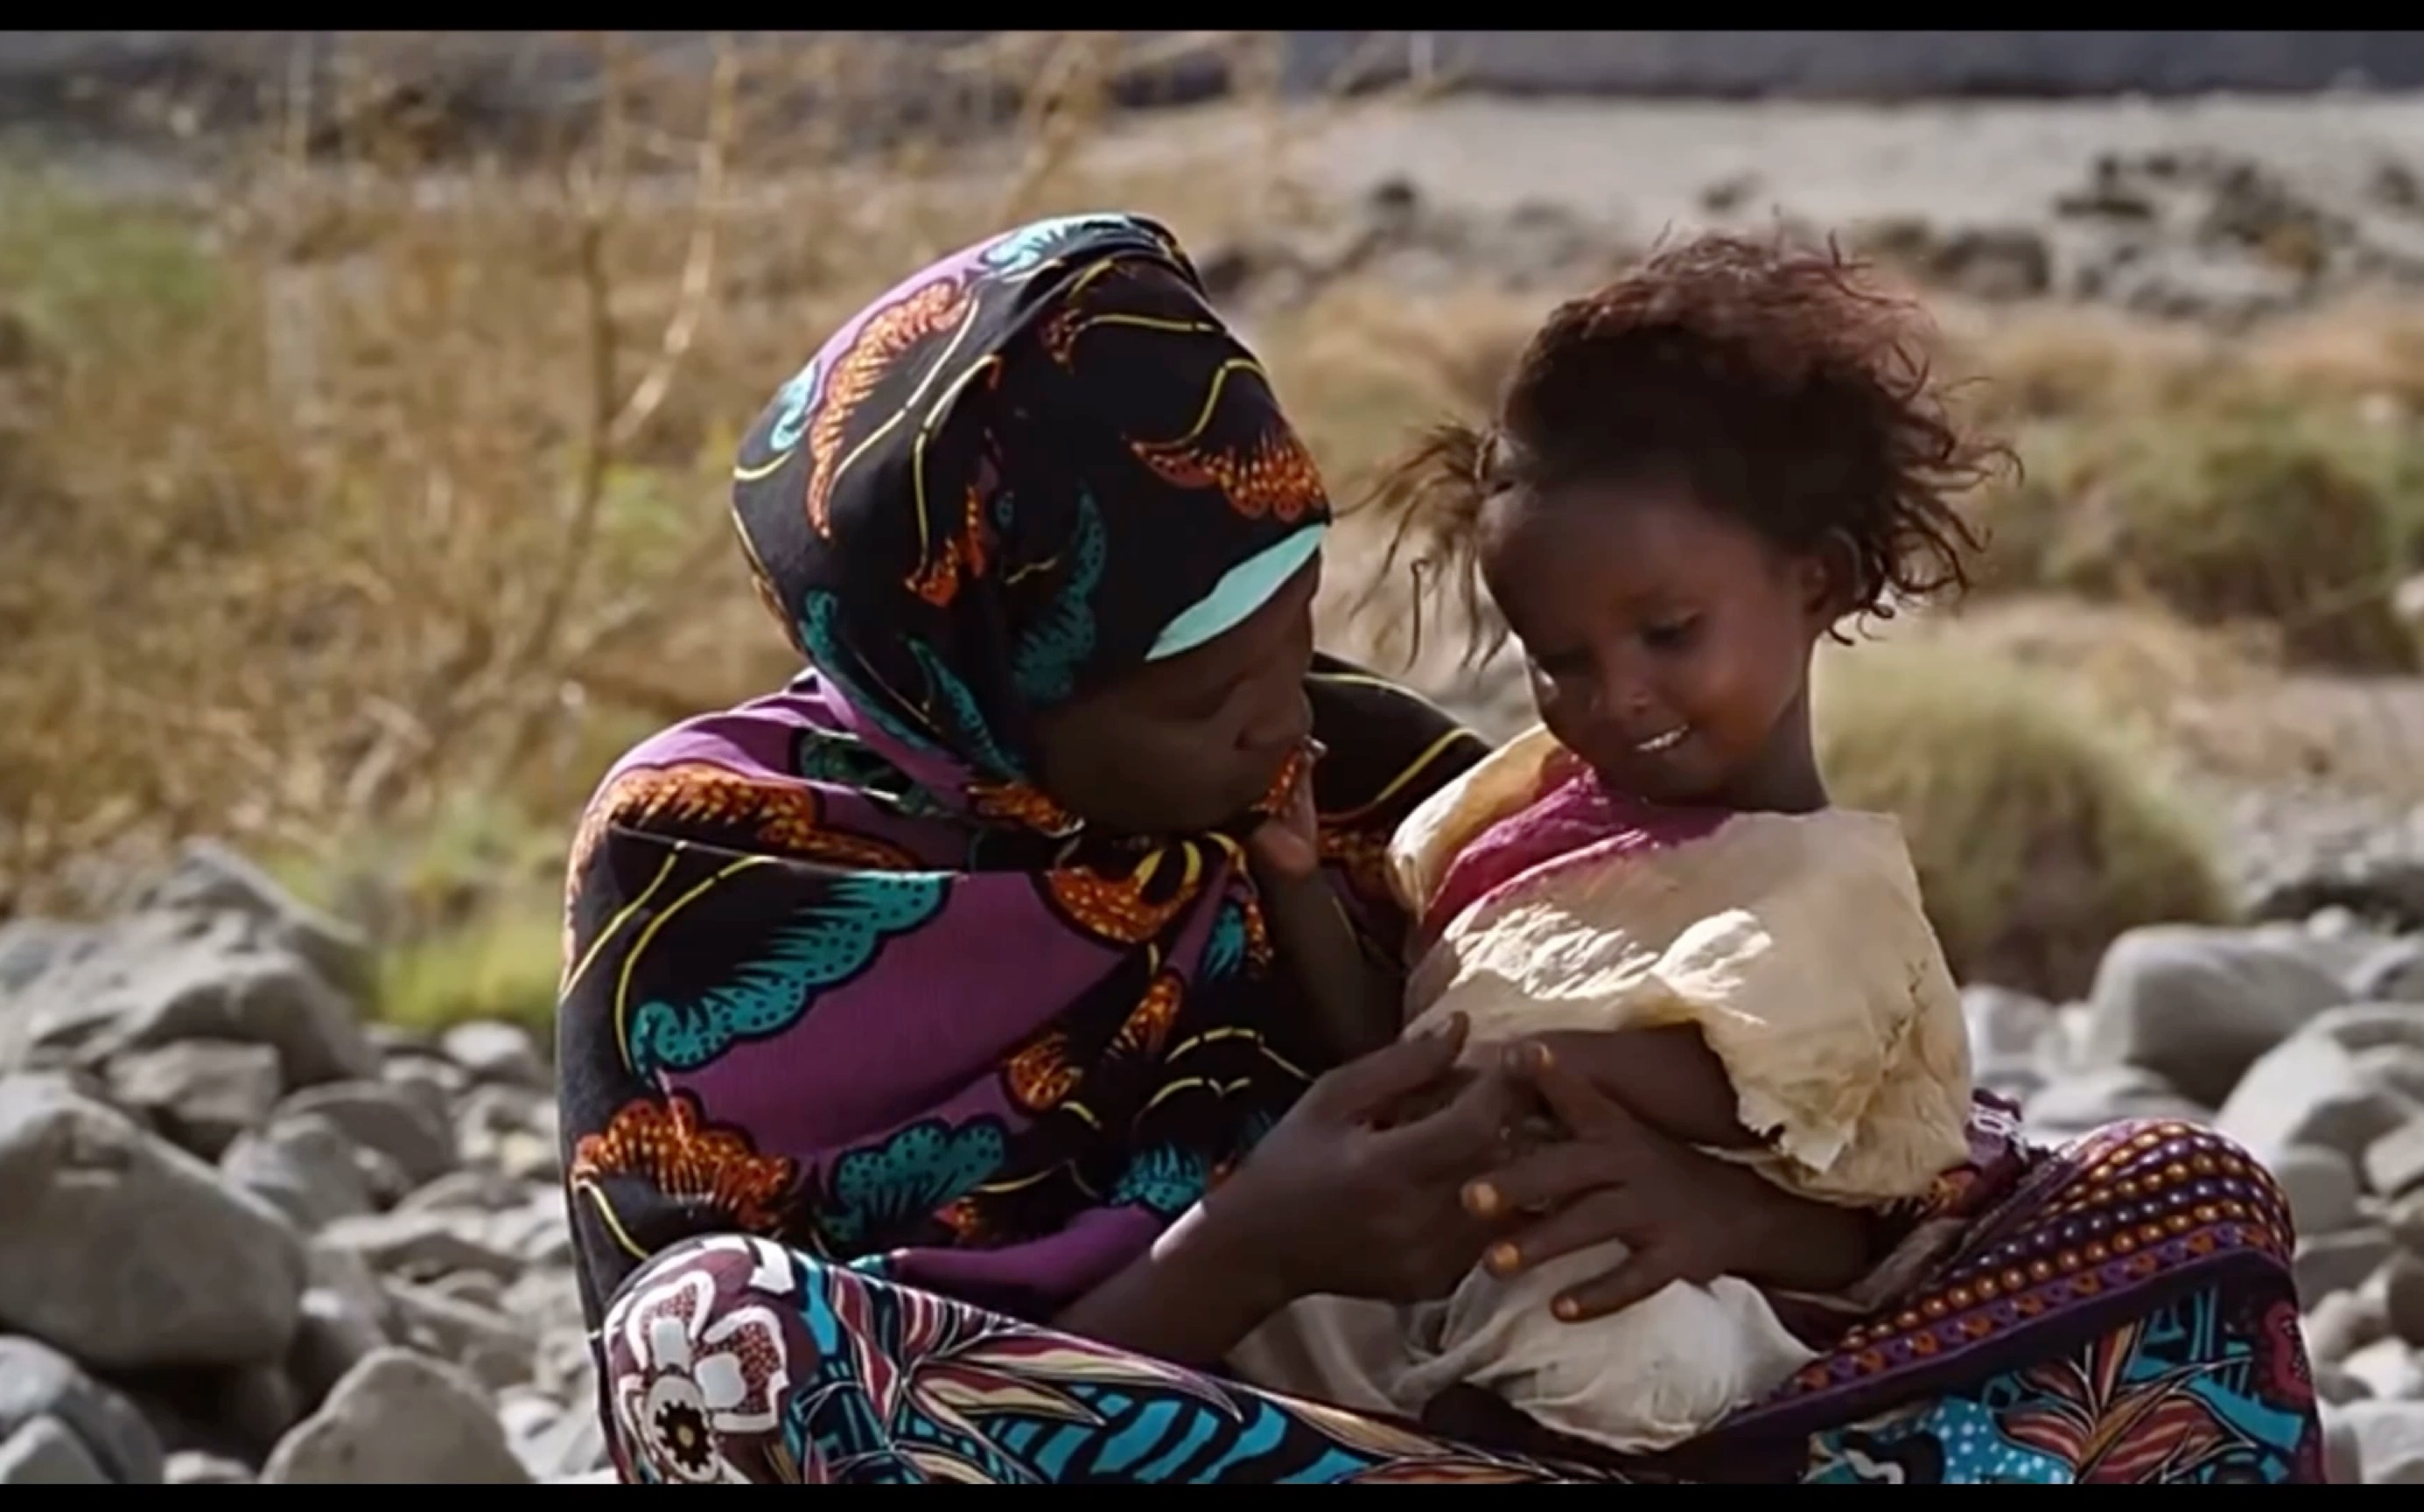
[{"x": 1281, "y": 722}]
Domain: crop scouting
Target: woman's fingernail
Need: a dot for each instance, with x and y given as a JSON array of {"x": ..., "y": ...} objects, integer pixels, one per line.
[
  {"x": 1481, "y": 1200},
  {"x": 1567, "y": 1309},
  {"x": 1504, "y": 1258}
]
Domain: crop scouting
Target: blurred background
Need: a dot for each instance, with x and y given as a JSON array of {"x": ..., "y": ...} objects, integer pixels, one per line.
[
  {"x": 365, "y": 404},
  {"x": 367, "y": 410}
]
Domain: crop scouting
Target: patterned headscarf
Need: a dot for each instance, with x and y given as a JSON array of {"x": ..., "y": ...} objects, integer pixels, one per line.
[
  {"x": 837, "y": 971},
  {"x": 935, "y": 506}
]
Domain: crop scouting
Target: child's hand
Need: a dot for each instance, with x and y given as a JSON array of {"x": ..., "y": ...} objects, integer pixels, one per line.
[{"x": 1288, "y": 844}]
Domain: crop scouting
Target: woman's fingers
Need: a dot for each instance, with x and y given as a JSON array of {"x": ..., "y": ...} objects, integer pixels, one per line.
[
  {"x": 1546, "y": 1179},
  {"x": 1610, "y": 1213},
  {"x": 1468, "y": 1134},
  {"x": 1644, "y": 1274},
  {"x": 1584, "y": 1110},
  {"x": 1368, "y": 1086}
]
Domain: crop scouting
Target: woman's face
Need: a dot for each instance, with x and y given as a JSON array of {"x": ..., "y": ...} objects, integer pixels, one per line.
[{"x": 1192, "y": 742}]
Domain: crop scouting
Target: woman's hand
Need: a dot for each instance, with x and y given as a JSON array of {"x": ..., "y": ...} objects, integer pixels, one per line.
[
  {"x": 1683, "y": 1215},
  {"x": 1331, "y": 1201},
  {"x": 1355, "y": 1002},
  {"x": 1287, "y": 847}
]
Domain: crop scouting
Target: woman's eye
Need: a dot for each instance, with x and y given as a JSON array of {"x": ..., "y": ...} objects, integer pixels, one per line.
[{"x": 1669, "y": 636}]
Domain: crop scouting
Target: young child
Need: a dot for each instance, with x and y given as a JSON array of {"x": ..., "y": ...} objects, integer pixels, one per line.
[{"x": 1693, "y": 476}]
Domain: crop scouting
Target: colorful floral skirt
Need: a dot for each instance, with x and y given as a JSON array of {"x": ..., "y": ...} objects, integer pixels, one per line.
[{"x": 2125, "y": 1318}]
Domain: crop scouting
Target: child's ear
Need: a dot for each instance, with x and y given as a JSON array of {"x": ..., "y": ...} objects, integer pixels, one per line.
[{"x": 1828, "y": 578}]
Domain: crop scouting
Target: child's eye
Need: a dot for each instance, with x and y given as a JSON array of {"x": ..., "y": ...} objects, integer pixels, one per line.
[
  {"x": 1559, "y": 663},
  {"x": 1672, "y": 635}
]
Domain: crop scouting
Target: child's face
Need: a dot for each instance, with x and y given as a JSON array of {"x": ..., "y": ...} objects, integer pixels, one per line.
[{"x": 1668, "y": 643}]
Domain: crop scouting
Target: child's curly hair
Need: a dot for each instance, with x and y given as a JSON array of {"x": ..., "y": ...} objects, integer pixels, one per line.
[{"x": 1772, "y": 381}]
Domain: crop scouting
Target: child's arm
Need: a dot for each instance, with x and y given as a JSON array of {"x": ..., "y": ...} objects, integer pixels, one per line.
[
  {"x": 1666, "y": 1078},
  {"x": 1356, "y": 1004}
]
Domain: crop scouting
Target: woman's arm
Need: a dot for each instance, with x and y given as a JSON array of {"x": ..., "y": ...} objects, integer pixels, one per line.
[
  {"x": 1355, "y": 1003},
  {"x": 1189, "y": 1299}
]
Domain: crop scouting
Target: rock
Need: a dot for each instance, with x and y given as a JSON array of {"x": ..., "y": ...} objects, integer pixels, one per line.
[
  {"x": 193, "y": 1467},
  {"x": 383, "y": 1119},
  {"x": 509, "y": 1128},
  {"x": 2343, "y": 1456},
  {"x": 419, "y": 1245},
  {"x": 2341, "y": 1323},
  {"x": 398, "y": 1418},
  {"x": 46, "y": 1453},
  {"x": 2004, "y": 1025},
  {"x": 157, "y": 978},
  {"x": 2390, "y": 1440},
  {"x": 2403, "y": 1297},
  {"x": 2396, "y": 1066},
  {"x": 337, "y": 1333},
  {"x": 2199, "y": 1004},
  {"x": 2321, "y": 1187},
  {"x": 2394, "y": 1164},
  {"x": 37, "y": 1380},
  {"x": 30, "y": 946},
  {"x": 498, "y": 1350},
  {"x": 2309, "y": 1089},
  {"x": 2328, "y": 1262},
  {"x": 2406, "y": 1220},
  {"x": 302, "y": 1165},
  {"x": 211, "y": 879},
  {"x": 200, "y": 1093},
  {"x": 2085, "y": 1100},
  {"x": 2389, "y": 1369},
  {"x": 2335, "y": 1385},
  {"x": 127, "y": 1252},
  {"x": 2393, "y": 973},
  {"x": 573, "y": 1443},
  {"x": 492, "y": 1050},
  {"x": 466, "y": 1191},
  {"x": 1994, "y": 263}
]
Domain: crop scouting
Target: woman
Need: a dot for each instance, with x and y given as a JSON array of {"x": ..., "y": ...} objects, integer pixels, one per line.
[{"x": 935, "y": 1110}]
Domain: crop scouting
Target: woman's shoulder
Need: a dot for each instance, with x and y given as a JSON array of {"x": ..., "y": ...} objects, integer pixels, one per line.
[{"x": 1388, "y": 744}]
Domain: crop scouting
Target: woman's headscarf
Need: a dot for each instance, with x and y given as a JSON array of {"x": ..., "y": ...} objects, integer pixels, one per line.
[{"x": 836, "y": 972}]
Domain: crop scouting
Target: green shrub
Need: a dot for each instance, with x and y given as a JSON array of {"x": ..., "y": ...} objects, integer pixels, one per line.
[{"x": 2037, "y": 838}]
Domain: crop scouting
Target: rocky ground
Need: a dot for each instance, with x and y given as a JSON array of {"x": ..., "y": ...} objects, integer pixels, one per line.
[
  {"x": 2224, "y": 210},
  {"x": 251, "y": 1239},
  {"x": 248, "y": 1236}
]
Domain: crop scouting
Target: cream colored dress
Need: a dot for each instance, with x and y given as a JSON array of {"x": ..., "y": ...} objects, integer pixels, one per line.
[{"x": 1798, "y": 946}]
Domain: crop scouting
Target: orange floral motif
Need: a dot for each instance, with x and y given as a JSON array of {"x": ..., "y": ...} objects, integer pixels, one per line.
[
  {"x": 1363, "y": 855},
  {"x": 1272, "y": 475},
  {"x": 959, "y": 558},
  {"x": 1021, "y": 803},
  {"x": 1148, "y": 1025},
  {"x": 1117, "y": 908},
  {"x": 962, "y": 1217},
  {"x": 890, "y": 332},
  {"x": 2088, "y": 1412},
  {"x": 787, "y": 817},
  {"x": 1039, "y": 1076},
  {"x": 688, "y": 1159}
]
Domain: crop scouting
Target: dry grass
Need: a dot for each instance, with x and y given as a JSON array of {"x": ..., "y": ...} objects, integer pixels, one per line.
[
  {"x": 354, "y": 484},
  {"x": 2038, "y": 834}
]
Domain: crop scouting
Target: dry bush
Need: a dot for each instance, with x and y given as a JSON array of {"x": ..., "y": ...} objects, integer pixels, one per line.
[
  {"x": 360, "y": 480},
  {"x": 2038, "y": 834},
  {"x": 2276, "y": 480}
]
